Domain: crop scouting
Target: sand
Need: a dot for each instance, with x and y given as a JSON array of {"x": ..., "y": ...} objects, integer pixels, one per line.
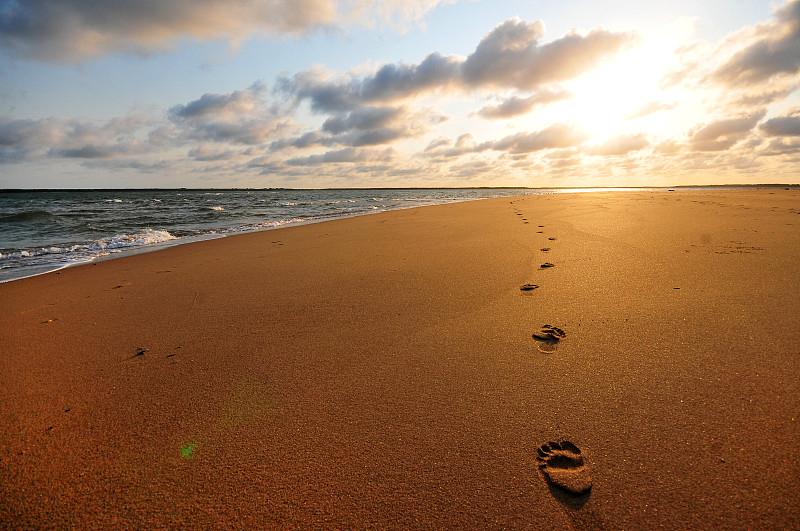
[{"x": 381, "y": 371}]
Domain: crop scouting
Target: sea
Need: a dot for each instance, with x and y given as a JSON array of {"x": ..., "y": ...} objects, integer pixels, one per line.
[{"x": 46, "y": 230}]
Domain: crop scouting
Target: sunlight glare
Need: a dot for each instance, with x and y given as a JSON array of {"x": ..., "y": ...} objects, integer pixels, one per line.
[{"x": 606, "y": 98}]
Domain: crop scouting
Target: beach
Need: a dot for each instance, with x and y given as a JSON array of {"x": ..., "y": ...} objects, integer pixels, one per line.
[{"x": 381, "y": 371}]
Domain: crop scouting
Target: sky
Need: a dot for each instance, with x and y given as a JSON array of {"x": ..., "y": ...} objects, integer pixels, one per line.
[{"x": 398, "y": 93}]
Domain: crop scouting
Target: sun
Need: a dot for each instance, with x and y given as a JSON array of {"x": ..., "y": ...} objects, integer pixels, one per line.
[{"x": 607, "y": 99}]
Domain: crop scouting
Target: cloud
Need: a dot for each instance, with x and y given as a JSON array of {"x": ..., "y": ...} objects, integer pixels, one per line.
[
  {"x": 346, "y": 155},
  {"x": 723, "y": 134},
  {"x": 22, "y": 139},
  {"x": 365, "y": 126},
  {"x": 515, "y": 106},
  {"x": 783, "y": 146},
  {"x": 509, "y": 57},
  {"x": 621, "y": 145},
  {"x": 241, "y": 117},
  {"x": 90, "y": 151},
  {"x": 558, "y": 135},
  {"x": 222, "y": 106},
  {"x": 444, "y": 148},
  {"x": 391, "y": 82},
  {"x": 786, "y": 125},
  {"x": 206, "y": 153},
  {"x": 306, "y": 140},
  {"x": 668, "y": 147},
  {"x": 650, "y": 107},
  {"x": 77, "y": 30},
  {"x": 775, "y": 51}
]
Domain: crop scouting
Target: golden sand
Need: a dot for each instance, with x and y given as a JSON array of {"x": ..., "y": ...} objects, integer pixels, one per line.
[{"x": 382, "y": 371}]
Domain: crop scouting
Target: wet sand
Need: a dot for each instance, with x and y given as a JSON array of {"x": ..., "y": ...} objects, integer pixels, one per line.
[{"x": 388, "y": 371}]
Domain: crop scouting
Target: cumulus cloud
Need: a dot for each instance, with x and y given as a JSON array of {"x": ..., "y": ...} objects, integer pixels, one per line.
[
  {"x": 558, "y": 135},
  {"x": 723, "y": 134},
  {"x": 75, "y": 30},
  {"x": 365, "y": 126},
  {"x": 783, "y": 146},
  {"x": 241, "y": 117},
  {"x": 21, "y": 139},
  {"x": 787, "y": 124},
  {"x": 774, "y": 51},
  {"x": 621, "y": 145},
  {"x": 509, "y": 57},
  {"x": 515, "y": 106}
]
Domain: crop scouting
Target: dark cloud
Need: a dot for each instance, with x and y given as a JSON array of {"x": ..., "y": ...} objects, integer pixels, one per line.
[
  {"x": 785, "y": 125},
  {"x": 241, "y": 117},
  {"x": 723, "y": 134},
  {"x": 303, "y": 141},
  {"x": 362, "y": 119},
  {"x": 69, "y": 138},
  {"x": 509, "y": 57},
  {"x": 89, "y": 152},
  {"x": 516, "y": 106},
  {"x": 365, "y": 126},
  {"x": 775, "y": 51},
  {"x": 24, "y": 134},
  {"x": 75, "y": 30},
  {"x": 392, "y": 82},
  {"x": 236, "y": 103}
]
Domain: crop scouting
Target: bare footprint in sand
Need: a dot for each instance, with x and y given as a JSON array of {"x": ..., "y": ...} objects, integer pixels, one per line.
[
  {"x": 546, "y": 265},
  {"x": 528, "y": 287},
  {"x": 563, "y": 466},
  {"x": 548, "y": 338}
]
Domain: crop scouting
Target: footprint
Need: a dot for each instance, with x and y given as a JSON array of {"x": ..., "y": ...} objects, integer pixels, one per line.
[
  {"x": 528, "y": 287},
  {"x": 563, "y": 466},
  {"x": 545, "y": 249},
  {"x": 549, "y": 337},
  {"x": 546, "y": 265},
  {"x": 551, "y": 239}
]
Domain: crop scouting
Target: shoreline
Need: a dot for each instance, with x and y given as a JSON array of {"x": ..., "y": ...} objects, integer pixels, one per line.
[
  {"x": 389, "y": 371},
  {"x": 734, "y": 186},
  {"x": 20, "y": 272}
]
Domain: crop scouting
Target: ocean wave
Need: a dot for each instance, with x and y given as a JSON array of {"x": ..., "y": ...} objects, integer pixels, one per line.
[
  {"x": 26, "y": 215},
  {"x": 84, "y": 251}
]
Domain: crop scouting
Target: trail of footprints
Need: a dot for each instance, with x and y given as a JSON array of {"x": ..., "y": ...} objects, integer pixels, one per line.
[{"x": 562, "y": 465}]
